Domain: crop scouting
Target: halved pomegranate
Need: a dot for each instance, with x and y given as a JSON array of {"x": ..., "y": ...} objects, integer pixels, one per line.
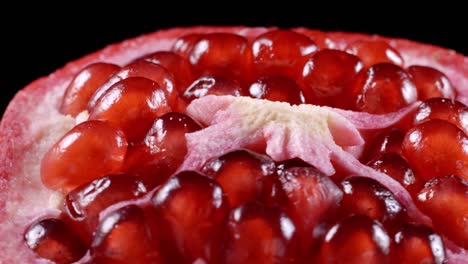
[{"x": 238, "y": 145}]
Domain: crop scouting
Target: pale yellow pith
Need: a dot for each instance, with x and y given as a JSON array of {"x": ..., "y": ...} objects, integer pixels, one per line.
[{"x": 312, "y": 119}]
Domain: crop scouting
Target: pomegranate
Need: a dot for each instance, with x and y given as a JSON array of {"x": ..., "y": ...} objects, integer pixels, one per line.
[{"x": 240, "y": 145}]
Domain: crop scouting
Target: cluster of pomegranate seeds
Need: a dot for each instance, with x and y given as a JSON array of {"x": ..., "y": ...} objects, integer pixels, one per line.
[{"x": 126, "y": 199}]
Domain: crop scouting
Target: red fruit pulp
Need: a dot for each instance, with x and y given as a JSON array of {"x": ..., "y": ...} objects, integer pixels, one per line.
[{"x": 25, "y": 138}]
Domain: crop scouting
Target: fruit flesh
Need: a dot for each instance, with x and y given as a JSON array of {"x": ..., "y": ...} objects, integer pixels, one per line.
[{"x": 16, "y": 127}]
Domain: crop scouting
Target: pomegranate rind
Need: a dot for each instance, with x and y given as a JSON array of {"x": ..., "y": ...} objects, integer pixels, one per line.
[{"x": 32, "y": 123}]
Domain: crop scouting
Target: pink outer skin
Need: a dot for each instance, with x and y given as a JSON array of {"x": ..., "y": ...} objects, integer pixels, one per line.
[{"x": 43, "y": 96}]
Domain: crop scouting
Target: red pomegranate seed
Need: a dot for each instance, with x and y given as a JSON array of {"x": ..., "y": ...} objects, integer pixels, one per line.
[
  {"x": 192, "y": 208},
  {"x": 444, "y": 201},
  {"x": 257, "y": 233},
  {"x": 356, "y": 239},
  {"x": 132, "y": 104},
  {"x": 220, "y": 54},
  {"x": 319, "y": 37},
  {"x": 396, "y": 167},
  {"x": 375, "y": 51},
  {"x": 417, "y": 244},
  {"x": 177, "y": 65},
  {"x": 212, "y": 85},
  {"x": 366, "y": 196},
  {"x": 184, "y": 44},
  {"x": 385, "y": 142},
  {"x": 86, "y": 202},
  {"x": 83, "y": 86},
  {"x": 383, "y": 88},
  {"x": 145, "y": 69},
  {"x": 327, "y": 75},
  {"x": 445, "y": 109},
  {"x": 274, "y": 194},
  {"x": 241, "y": 173},
  {"x": 436, "y": 148},
  {"x": 277, "y": 88},
  {"x": 90, "y": 150},
  {"x": 52, "y": 239},
  {"x": 282, "y": 166},
  {"x": 279, "y": 52},
  {"x": 431, "y": 83},
  {"x": 124, "y": 235},
  {"x": 163, "y": 149},
  {"x": 312, "y": 200}
]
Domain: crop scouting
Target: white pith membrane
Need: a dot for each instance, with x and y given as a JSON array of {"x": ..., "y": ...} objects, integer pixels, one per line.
[{"x": 335, "y": 137}]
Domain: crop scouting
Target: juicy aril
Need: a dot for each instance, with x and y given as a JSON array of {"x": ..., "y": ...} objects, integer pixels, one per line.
[{"x": 163, "y": 149}]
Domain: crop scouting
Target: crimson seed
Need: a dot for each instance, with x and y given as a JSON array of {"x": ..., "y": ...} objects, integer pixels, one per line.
[
  {"x": 326, "y": 77},
  {"x": 385, "y": 142},
  {"x": 356, "y": 239},
  {"x": 132, "y": 104},
  {"x": 312, "y": 199},
  {"x": 88, "y": 151},
  {"x": 162, "y": 150},
  {"x": 277, "y": 88},
  {"x": 52, "y": 239},
  {"x": 415, "y": 243},
  {"x": 383, "y": 80},
  {"x": 212, "y": 85},
  {"x": 84, "y": 85},
  {"x": 143, "y": 69},
  {"x": 444, "y": 109},
  {"x": 375, "y": 51},
  {"x": 396, "y": 167},
  {"x": 190, "y": 209},
  {"x": 444, "y": 200},
  {"x": 279, "y": 52},
  {"x": 431, "y": 83},
  {"x": 242, "y": 174},
  {"x": 366, "y": 196},
  {"x": 220, "y": 54},
  {"x": 436, "y": 148},
  {"x": 87, "y": 201},
  {"x": 256, "y": 233},
  {"x": 124, "y": 235},
  {"x": 177, "y": 65},
  {"x": 184, "y": 44}
]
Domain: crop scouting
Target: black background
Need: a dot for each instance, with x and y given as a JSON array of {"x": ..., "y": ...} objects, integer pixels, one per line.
[{"x": 35, "y": 44}]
